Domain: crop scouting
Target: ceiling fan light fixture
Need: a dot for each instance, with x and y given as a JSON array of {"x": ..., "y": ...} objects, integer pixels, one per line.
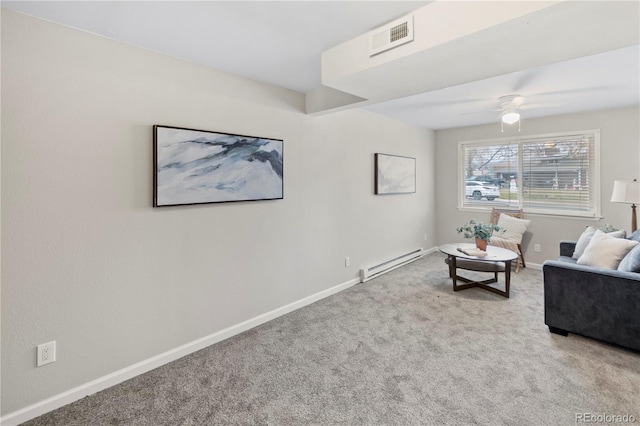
[{"x": 510, "y": 117}]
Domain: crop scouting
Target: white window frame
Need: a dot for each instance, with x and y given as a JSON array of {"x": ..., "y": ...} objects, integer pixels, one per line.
[{"x": 521, "y": 140}]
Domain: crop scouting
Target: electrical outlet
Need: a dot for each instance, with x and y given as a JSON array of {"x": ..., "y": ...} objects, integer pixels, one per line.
[
  {"x": 425, "y": 237},
  {"x": 46, "y": 353},
  {"x": 536, "y": 248},
  {"x": 347, "y": 262}
]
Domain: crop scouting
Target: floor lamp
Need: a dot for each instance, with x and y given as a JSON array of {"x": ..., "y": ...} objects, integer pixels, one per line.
[{"x": 628, "y": 192}]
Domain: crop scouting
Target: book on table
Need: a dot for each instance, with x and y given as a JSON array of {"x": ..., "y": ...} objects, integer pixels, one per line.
[{"x": 472, "y": 251}]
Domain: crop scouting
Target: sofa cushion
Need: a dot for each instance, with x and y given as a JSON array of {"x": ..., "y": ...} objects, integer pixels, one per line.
[
  {"x": 585, "y": 238},
  {"x": 635, "y": 236},
  {"x": 631, "y": 262},
  {"x": 605, "y": 250},
  {"x": 513, "y": 227}
]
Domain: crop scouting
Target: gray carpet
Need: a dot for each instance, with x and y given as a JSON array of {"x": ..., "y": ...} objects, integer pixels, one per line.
[{"x": 402, "y": 349}]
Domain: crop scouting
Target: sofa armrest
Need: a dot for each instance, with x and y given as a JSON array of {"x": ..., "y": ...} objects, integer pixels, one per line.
[{"x": 567, "y": 248}]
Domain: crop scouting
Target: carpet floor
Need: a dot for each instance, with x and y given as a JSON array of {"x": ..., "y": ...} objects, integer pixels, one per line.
[{"x": 402, "y": 349}]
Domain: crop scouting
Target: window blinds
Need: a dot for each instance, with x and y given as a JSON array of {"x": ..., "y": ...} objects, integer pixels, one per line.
[{"x": 554, "y": 174}]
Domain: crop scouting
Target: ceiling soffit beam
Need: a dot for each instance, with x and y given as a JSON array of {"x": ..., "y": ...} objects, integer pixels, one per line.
[
  {"x": 325, "y": 100},
  {"x": 461, "y": 42}
]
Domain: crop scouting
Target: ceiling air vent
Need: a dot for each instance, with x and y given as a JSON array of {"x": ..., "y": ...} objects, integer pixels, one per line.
[{"x": 391, "y": 35}]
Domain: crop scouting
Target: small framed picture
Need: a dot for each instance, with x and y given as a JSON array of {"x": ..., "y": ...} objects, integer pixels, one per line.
[{"x": 394, "y": 174}]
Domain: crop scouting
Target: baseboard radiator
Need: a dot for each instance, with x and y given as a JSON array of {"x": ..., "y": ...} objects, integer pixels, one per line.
[{"x": 371, "y": 272}]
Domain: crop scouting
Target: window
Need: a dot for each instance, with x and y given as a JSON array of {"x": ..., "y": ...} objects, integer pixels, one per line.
[{"x": 547, "y": 174}]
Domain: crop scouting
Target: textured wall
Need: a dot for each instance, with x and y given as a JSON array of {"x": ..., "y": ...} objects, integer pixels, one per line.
[
  {"x": 619, "y": 159},
  {"x": 87, "y": 262}
]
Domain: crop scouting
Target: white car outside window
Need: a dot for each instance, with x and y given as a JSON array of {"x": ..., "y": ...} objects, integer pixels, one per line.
[{"x": 480, "y": 190}]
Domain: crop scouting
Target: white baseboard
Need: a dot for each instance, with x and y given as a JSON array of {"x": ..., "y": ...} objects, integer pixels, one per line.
[
  {"x": 431, "y": 250},
  {"x": 536, "y": 266},
  {"x": 72, "y": 395}
]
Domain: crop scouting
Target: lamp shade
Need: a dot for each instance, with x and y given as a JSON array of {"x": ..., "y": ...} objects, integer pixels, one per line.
[{"x": 626, "y": 191}]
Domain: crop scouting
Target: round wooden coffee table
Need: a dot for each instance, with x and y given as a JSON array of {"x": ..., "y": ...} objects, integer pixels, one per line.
[{"x": 497, "y": 260}]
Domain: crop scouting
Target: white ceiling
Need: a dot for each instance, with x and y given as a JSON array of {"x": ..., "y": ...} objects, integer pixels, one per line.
[
  {"x": 276, "y": 42},
  {"x": 603, "y": 81},
  {"x": 280, "y": 43}
]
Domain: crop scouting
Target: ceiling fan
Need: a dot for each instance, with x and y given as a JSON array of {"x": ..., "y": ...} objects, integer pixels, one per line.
[{"x": 510, "y": 108}]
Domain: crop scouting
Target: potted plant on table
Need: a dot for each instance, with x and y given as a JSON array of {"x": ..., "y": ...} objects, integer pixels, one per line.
[{"x": 480, "y": 231}]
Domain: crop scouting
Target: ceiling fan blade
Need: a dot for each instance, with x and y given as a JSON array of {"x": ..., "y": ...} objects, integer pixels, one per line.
[
  {"x": 571, "y": 91},
  {"x": 481, "y": 112},
  {"x": 454, "y": 102},
  {"x": 543, "y": 105},
  {"x": 524, "y": 80}
]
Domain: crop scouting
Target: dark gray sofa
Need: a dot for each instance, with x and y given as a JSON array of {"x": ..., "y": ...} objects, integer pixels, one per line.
[{"x": 590, "y": 301}]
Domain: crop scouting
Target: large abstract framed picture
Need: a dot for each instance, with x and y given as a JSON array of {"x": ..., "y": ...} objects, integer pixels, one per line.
[
  {"x": 394, "y": 174},
  {"x": 198, "y": 167}
]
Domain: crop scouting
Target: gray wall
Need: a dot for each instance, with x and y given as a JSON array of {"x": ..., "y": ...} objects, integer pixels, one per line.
[
  {"x": 620, "y": 159},
  {"x": 87, "y": 262}
]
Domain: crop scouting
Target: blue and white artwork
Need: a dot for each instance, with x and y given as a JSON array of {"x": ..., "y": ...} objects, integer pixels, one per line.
[
  {"x": 394, "y": 174},
  {"x": 195, "y": 167}
]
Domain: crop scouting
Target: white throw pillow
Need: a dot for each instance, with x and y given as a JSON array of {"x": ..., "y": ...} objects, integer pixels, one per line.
[
  {"x": 513, "y": 227},
  {"x": 585, "y": 239},
  {"x": 605, "y": 250}
]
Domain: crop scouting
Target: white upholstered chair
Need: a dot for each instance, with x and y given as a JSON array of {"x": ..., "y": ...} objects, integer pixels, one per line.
[{"x": 511, "y": 238}]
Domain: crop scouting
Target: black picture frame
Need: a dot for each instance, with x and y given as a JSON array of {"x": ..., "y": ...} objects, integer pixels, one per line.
[{"x": 193, "y": 166}]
